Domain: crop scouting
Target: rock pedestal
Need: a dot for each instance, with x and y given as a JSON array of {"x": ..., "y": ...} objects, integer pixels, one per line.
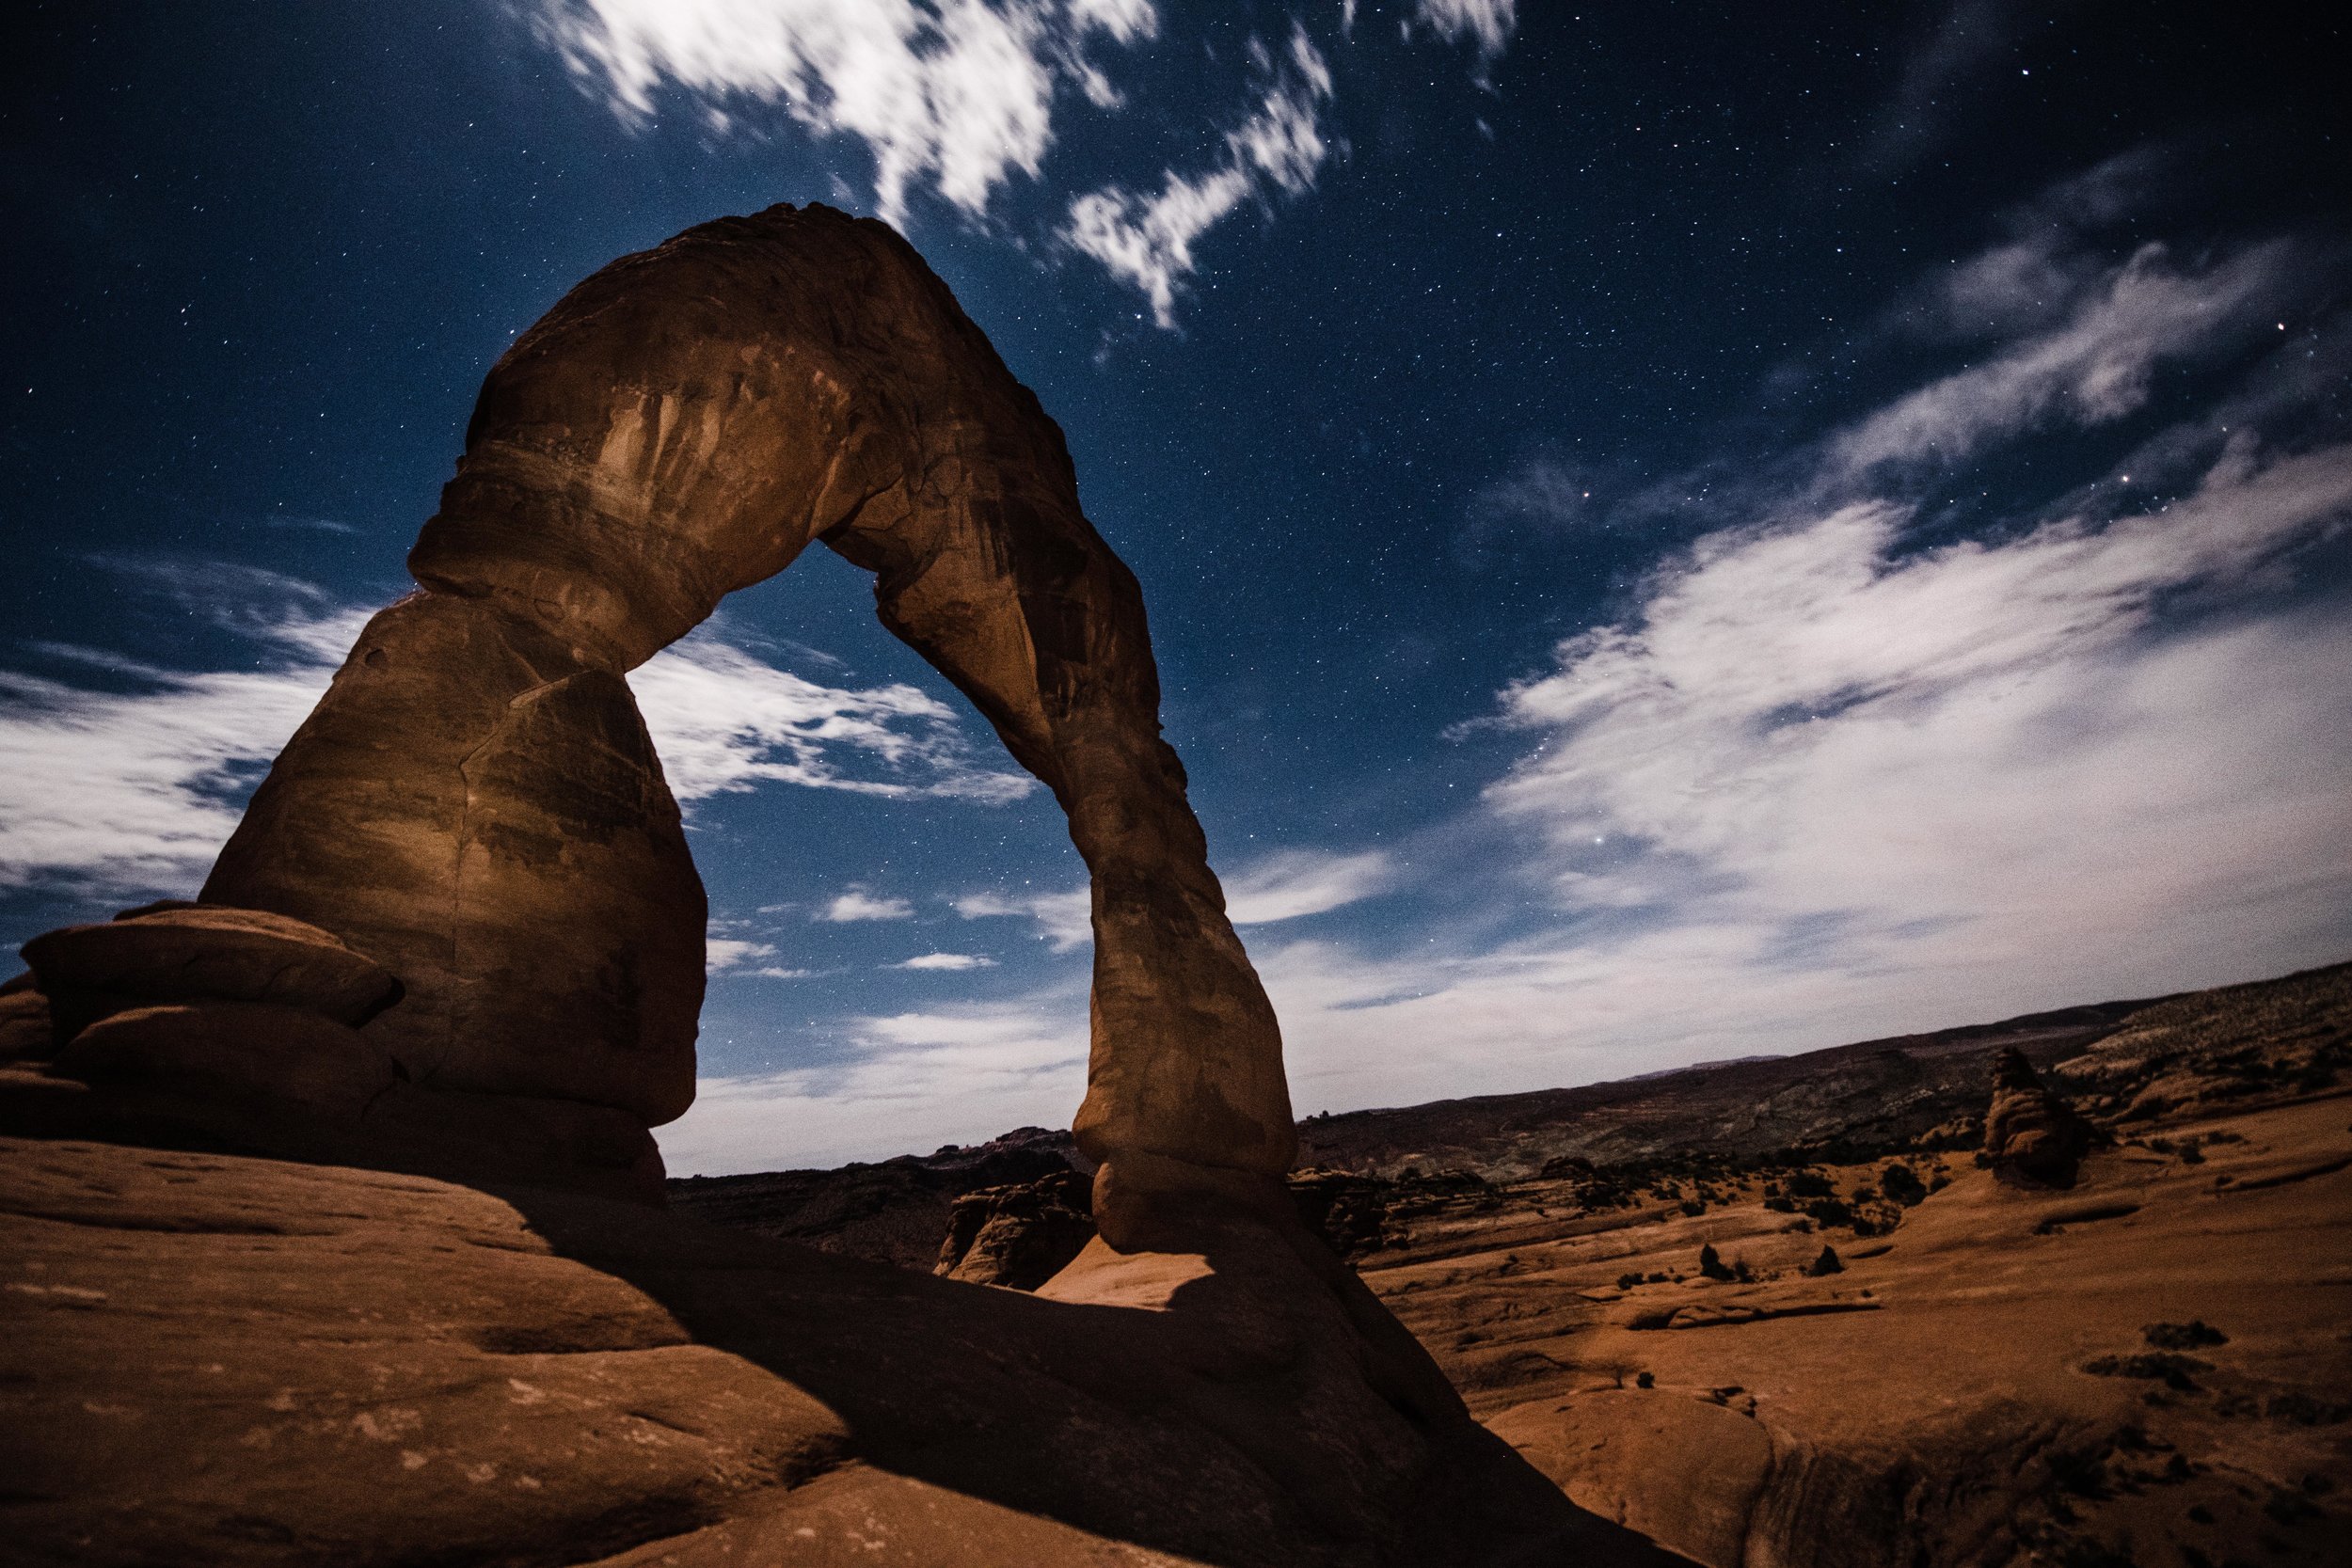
[{"x": 2032, "y": 1138}]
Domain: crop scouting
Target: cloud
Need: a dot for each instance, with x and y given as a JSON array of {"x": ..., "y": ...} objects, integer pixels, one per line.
[
  {"x": 1486, "y": 23},
  {"x": 1065, "y": 920},
  {"x": 138, "y": 776},
  {"x": 130, "y": 792},
  {"x": 955, "y": 94},
  {"x": 722, "y": 954},
  {"x": 725, "y": 721},
  {"x": 951, "y": 962},
  {"x": 2093, "y": 368},
  {"x": 1296, "y": 883},
  {"x": 915, "y": 1080},
  {"x": 1147, "y": 242},
  {"x": 857, "y": 904}
]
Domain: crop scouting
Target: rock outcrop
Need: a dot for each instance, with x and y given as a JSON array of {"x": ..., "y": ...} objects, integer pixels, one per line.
[
  {"x": 366, "y": 1106},
  {"x": 475, "y": 803},
  {"x": 1018, "y": 1236},
  {"x": 2032, "y": 1138}
]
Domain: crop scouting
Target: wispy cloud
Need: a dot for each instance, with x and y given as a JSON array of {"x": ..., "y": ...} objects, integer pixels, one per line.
[
  {"x": 725, "y": 721},
  {"x": 133, "y": 778},
  {"x": 723, "y": 954},
  {"x": 1295, "y": 883},
  {"x": 130, "y": 789},
  {"x": 1147, "y": 240},
  {"x": 1487, "y": 23},
  {"x": 2093, "y": 369},
  {"x": 957, "y": 95},
  {"x": 1065, "y": 920},
  {"x": 947, "y": 962},
  {"x": 916, "y": 1080},
  {"x": 858, "y": 903}
]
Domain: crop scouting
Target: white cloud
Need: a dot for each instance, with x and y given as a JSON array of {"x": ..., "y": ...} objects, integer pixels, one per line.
[
  {"x": 1486, "y": 23},
  {"x": 858, "y": 903},
  {"x": 722, "y": 954},
  {"x": 2093, "y": 368},
  {"x": 1065, "y": 920},
  {"x": 1147, "y": 242},
  {"x": 958, "y": 94},
  {"x": 132, "y": 793},
  {"x": 951, "y": 962},
  {"x": 777, "y": 972},
  {"x": 1299, "y": 883},
  {"x": 723, "y": 720},
  {"x": 1817, "y": 789},
  {"x": 918, "y": 1079}
]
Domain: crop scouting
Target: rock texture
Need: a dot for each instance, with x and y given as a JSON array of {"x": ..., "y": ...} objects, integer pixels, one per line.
[
  {"x": 474, "y": 801},
  {"x": 1018, "y": 1236},
  {"x": 2032, "y": 1138},
  {"x": 206, "y": 1358}
]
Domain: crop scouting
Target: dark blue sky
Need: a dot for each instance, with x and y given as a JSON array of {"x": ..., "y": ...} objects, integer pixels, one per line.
[{"x": 1671, "y": 530}]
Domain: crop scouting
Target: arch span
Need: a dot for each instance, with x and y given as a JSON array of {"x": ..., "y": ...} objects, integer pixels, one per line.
[{"x": 475, "y": 801}]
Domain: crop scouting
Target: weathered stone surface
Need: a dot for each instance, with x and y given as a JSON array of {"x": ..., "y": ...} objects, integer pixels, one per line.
[
  {"x": 681, "y": 424},
  {"x": 26, "y": 1030},
  {"x": 1018, "y": 1236},
  {"x": 299, "y": 1363},
  {"x": 186, "y": 953},
  {"x": 234, "y": 1049},
  {"x": 486, "y": 813},
  {"x": 2032, "y": 1138}
]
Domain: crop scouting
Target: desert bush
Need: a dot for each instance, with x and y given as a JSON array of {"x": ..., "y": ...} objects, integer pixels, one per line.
[
  {"x": 1828, "y": 1264},
  {"x": 2188, "y": 1336},
  {"x": 1711, "y": 1263}
]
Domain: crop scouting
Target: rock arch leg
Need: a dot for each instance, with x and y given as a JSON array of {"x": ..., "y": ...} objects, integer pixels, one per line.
[{"x": 474, "y": 800}]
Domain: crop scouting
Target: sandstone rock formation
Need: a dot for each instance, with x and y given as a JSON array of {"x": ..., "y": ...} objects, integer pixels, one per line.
[
  {"x": 2032, "y": 1138},
  {"x": 1019, "y": 1236},
  {"x": 458, "y": 935},
  {"x": 475, "y": 803}
]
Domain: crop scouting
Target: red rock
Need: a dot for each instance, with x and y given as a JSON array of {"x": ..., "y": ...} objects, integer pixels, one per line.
[
  {"x": 186, "y": 953},
  {"x": 234, "y": 1049}
]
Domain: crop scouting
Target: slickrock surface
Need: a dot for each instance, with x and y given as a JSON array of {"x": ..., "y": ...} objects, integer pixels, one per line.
[
  {"x": 2150, "y": 1369},
  {"x": 212, "y": 1359}
]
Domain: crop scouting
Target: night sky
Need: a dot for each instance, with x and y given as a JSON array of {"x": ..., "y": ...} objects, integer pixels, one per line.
[{"x": 1672, "y": 530}]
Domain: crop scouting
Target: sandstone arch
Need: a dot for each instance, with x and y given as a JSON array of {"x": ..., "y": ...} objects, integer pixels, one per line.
[{"x": 475, "y": 803}]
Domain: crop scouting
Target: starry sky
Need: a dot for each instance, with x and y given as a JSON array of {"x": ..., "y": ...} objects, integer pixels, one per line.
[{"x": 1672, "y": 532}]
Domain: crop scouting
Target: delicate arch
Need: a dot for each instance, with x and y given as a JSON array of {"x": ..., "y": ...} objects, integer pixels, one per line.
[{"x": 475, "y": 801}]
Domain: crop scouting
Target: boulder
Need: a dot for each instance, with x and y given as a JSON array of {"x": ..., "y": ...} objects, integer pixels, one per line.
[
  {"x": 186, "y": 953},
  {"x": 2032, "y": 1138},
  {"x": 1018, "y": 1236},
  {"x": 237, "y": 1051}
]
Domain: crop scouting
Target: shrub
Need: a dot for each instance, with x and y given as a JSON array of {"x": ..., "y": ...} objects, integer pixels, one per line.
[
  {"x": 1711, "y": 1263},
  {"x": 2188, "y": 1336}
]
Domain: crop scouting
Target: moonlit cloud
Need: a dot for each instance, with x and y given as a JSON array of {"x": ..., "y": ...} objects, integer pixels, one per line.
[
  {"x": 725, "y": 721},
  {"x": 857, "y": 904},
  {"x": 917, "y": 1080},
  {"x": 1488, "y": 23},
  {"x": 1065, "y": 921},
  {"x": 955, "y": 94},
  {"x": 131, "y": 793},
  {"x": 140, "y": 780},
  {"x": 2093, "y": 369},
  {"x": 1147, "y": 240},
  {"x": 1296, "y": 883},
  {"x": 947, "y": 962},
  {"x": 722, "y": 954}
]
